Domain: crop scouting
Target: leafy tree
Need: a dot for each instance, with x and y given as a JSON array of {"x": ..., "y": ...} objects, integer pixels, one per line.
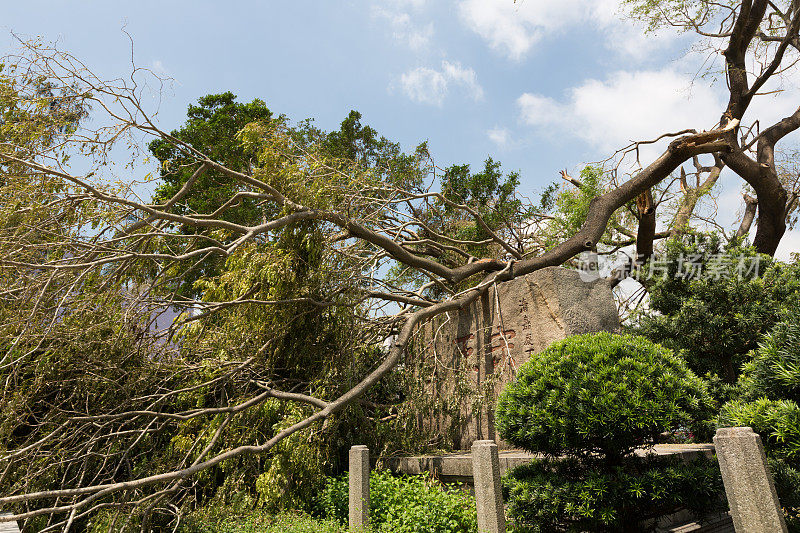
[
  {"x": 492, "y": 207},
  {"x": 568, "y": 207},
  {"x": 212, "y": 126},
  {"x": 371, "y": 223},
  {"x": 716, "y": 316}
]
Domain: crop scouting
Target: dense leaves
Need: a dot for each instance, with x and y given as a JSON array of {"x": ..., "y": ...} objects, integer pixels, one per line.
[
  {"x": 570, "y": 495},
  {"x": 406, "y": 504},
  {"x": 770, "y": 386},
  {"x": 599, "y": 393},
  {"x": 714, "y": 301},
  {"x": 587, "y": 402}
]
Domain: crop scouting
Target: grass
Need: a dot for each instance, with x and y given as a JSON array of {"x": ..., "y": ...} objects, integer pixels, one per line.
[{"x": 282, "y": 523}]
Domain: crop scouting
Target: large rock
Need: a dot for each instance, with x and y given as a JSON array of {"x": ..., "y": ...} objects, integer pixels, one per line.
[{"x": 466, "y": 358}]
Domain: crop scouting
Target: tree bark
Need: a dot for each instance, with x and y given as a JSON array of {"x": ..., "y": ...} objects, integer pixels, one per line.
[
  {"x": 646, "y": 232},
  {"x": 750, "y": 208}
]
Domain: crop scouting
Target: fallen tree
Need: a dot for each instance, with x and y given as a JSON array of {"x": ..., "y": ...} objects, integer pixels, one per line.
[{"x": 79, "y": 247}]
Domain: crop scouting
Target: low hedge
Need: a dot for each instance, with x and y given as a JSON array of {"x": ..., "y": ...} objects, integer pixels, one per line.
[{"x": 406, "y": 504}]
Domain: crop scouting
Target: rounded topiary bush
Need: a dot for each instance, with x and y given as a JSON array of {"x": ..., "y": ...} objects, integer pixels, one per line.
[
  {"x": 599, "y": 393},
  {"x": 587, "y": 402}
]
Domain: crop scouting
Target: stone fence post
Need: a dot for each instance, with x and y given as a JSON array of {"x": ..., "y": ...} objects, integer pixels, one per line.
[
  {"x": 748, "y": 483},
  {"x": 359, "y": 488},
  {"x": 488, "y": 491}
]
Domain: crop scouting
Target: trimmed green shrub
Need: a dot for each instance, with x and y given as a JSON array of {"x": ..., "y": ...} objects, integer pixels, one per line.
[
  {"x": 599, "y": 393},
  {"x": 406, "y": 504},
  {"x": 591, "y": 400},
  {"x": 574, "y": 495}
]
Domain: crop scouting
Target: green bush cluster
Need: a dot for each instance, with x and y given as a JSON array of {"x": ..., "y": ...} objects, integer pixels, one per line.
[
  {"x": 573, "y": 495},
  {"x": 717, "y": 318},
  {"x": 587, "y": 402},
  {"x": 599, "y": 393},
  {"x": 406, "y": 504},
  {"x": 770, "y": 394}
]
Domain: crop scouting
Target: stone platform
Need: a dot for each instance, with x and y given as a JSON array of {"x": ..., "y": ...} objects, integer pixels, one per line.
[{"x": 8, "y": 527}]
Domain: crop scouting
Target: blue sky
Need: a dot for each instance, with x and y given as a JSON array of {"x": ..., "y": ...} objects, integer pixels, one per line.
[{"x": 539, "y": 85}]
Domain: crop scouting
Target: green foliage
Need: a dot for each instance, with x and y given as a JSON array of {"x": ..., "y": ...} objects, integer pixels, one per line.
[
  {"x": 317, "y": 345},
  {"x": 571, "y": 205},
  {"x": 406, "y": 504},
  {"x": 770, "y": 386},
  {"x": 715, "y": 320},
  {"x": 599, "y": 393},
  {"x": 587, "y": 402},
  {"x": 778, "y": 422},
  {"x": 211, "y": 127},
  {"x": 489, "y": 193},
  {"x": 568, "y": 207},
  {"x": 571, "y": 495},
  {"x": 229, "y": 521},
  {"x": 297, "y": 161},
  {"x": 687, "y": 15},
  {"x": 774, "y": 371}
]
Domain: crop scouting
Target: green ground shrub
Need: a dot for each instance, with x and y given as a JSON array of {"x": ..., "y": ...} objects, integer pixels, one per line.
[
  {"x": 259, "y": 522},
  {"x": 574, "y": 495},
  {"x": 589, "y": 401},
  {"x": 406, "y": 504}
]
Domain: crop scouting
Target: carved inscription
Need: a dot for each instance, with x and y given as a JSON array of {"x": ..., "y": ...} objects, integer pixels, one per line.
[{"x": 484, "y": 344}]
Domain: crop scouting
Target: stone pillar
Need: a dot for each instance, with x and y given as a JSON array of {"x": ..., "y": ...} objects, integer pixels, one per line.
[
  {"x": 488, "y": 492},
  {"x": 359, "y": 488},
  {"x": 748, "y": 483}
]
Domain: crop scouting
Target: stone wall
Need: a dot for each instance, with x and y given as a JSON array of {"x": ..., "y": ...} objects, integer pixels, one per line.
[{"x": 464, "y": 359}]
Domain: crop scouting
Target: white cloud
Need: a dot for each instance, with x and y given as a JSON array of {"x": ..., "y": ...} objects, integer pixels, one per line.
[
  {"x": 429, "y": 86},
  {"x": 405, "y": 29},
  {"x": 499, "y": 136},
  {"x": 629, "y": 41},
  {"x": 159, "y": 68},
  {"x": 790, "y": 244},
  {"x": 626, "y": 106},
  {"x": 414, "y": 4},
  {"x": 513, "y": 28},
  {"x": 424, "y": 85}
]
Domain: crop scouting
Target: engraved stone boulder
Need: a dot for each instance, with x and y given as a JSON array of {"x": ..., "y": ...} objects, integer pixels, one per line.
[{"x": 467, "y": 357}]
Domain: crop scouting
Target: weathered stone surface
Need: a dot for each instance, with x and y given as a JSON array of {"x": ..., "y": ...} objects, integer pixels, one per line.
[
  {"x": 457, "y": 467},
  {"x": 488, "y": 491},
  {"x": 359, "y": 488},
  {"x": 748, "y": 483},
  {"x": 469, "y": 356},
  {"x": 8, "y": 527}
]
